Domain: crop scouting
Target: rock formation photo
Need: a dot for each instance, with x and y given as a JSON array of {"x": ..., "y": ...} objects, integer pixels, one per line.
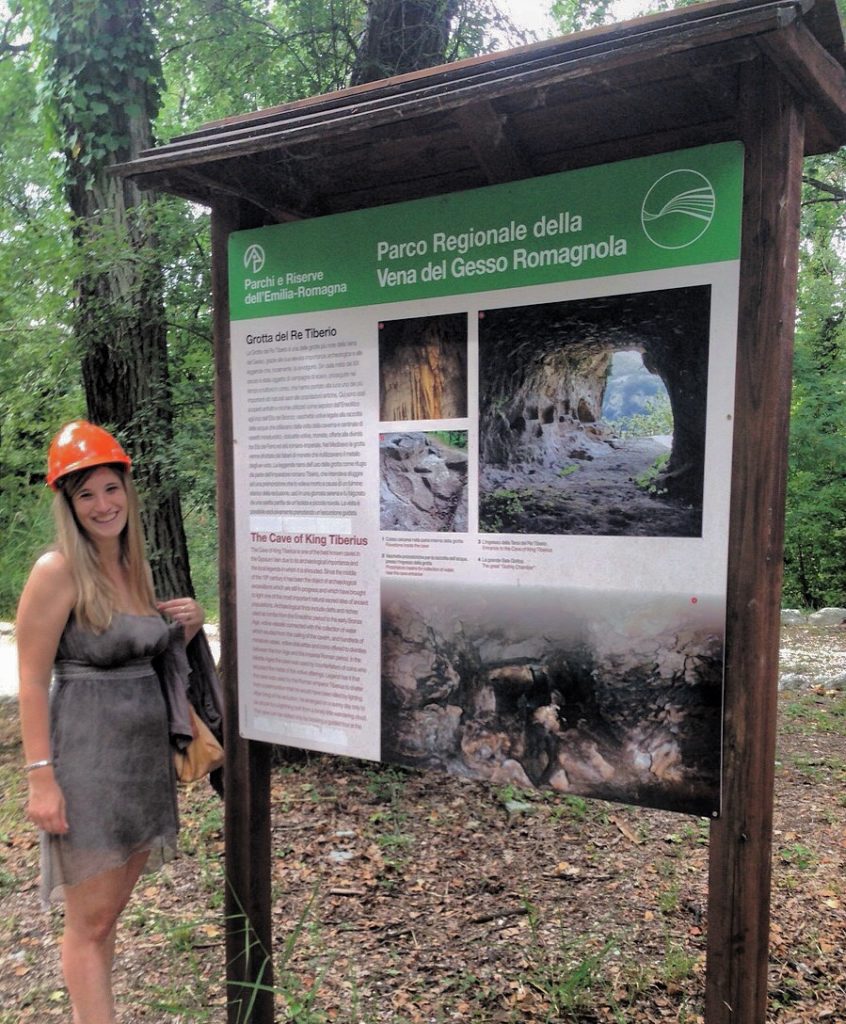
[
  {"x": 423, "y": 368},
  {"x": 423, "y": 481},
  {"x": 614, "y": 695}
]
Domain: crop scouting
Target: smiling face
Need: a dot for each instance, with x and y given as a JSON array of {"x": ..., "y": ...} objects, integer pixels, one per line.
[{"x": 100, "y": 505}]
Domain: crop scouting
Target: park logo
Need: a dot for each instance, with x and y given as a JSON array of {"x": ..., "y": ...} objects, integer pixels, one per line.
[
  {"x": 678, "y": 209},
  {"x": 254, "y": 258}
]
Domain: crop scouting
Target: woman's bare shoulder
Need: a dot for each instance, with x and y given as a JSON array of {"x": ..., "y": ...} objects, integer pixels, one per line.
[
  {"x": 52, "y": 575},
  {"x": 53, "y": 566}
]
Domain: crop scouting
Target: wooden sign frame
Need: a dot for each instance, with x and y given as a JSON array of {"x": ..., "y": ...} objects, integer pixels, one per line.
[{"x": 777, "y": 83}]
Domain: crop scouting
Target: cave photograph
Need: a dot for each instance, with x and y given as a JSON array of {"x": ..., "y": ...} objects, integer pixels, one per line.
[
  {"x": 423, "y": 368},
  {"x": 423, "y": 481},
  {"x": 615, "y": 695},
  {"x": 592, "y": 415}
]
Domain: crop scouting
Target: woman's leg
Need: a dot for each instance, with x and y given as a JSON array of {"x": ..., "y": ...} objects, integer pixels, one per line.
[{"x": 92, "y": 909}]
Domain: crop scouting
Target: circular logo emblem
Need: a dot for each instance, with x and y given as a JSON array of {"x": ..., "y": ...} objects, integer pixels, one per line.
[
  {"x": 254, "y": 258},
  {"x": 678, "y": 209}
]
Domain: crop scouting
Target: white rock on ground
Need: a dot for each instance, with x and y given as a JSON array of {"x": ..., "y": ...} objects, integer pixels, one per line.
[
  {"x": 8, "y": 661},
  {"x": 828, "y": 617}
]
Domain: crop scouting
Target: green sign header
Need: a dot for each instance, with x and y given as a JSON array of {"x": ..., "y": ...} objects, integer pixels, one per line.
[{"x": 671, "y": 210}]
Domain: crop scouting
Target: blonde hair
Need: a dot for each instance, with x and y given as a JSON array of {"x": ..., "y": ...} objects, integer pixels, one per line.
[{"x": 96, "y": 599}]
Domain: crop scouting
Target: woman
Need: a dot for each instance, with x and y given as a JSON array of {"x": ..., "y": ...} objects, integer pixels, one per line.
[{"x": 97, "y": 753}]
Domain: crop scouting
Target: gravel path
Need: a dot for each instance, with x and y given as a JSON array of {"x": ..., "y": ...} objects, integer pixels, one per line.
[
  {"x": 810, "y": 655},
  {"x": 8, "y": 662}
]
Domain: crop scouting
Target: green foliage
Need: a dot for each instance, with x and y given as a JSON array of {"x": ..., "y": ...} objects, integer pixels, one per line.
[
  {"x": 386, "y": 783},
  {"x": 99, "y": 73},
  {"x": 577, "y": 15},
  {"x": 452, "y": 438},
  {"x": 798, "y": 855},
  {"x": 480, "y": 26},
  {"x": 184, "y": 251},
  {"x": 499, "y": 510},
  {"x": 39, "y": 372},
  {"x": 677, "y": 964},
  {"x": 297, "y": 994},
  {"x": 657, "y": 418},
  {"x": 650, "y": 479},
  {"x": 807, "y": 714},
  {"x": 221, "y": 59},
  {"x": 79, "y": 80},
  {"x": 64, "y": 64},
  {"x": 815, "y": 553}
]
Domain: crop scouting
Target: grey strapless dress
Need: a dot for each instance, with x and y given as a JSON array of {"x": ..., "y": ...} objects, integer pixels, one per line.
[{"x": 112, "y": 754}]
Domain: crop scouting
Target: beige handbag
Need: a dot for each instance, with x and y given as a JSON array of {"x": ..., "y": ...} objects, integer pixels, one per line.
[{"x": 202, "y": 755}]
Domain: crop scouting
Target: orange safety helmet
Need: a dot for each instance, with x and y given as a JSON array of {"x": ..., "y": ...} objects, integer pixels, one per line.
[{"x": 81, "y": 445}]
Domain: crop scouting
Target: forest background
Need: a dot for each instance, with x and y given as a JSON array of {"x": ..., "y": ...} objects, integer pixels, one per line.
[{"x": 105, "y": 297}]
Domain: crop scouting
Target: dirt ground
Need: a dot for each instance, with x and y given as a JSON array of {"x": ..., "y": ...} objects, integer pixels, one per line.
[
  {"x": 413, "y": 899},
  {"x": 604, "y": 495}
]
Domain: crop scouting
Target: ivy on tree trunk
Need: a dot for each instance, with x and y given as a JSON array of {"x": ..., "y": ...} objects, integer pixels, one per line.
[{"x": 103, "y": 74}]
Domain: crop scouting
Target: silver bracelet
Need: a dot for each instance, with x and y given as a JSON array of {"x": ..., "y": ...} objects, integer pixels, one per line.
[{"x": 38, "y": 764}]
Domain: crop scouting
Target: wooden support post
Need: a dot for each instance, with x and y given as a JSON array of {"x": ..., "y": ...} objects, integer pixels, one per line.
[
  {"x": 772, "y": 128},
  {"x": 249, "y": 944}
]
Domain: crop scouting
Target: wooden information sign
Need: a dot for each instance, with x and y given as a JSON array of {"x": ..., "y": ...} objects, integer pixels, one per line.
[{"x": 767, "y": 77}]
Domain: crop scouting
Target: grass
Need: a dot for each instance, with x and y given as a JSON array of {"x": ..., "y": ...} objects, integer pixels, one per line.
[
  {"x": 809, "y": 713},
  {"x": 203, "y": 841},
  {"x": 561, "y": 976},
  {"x": 294, "y": 990},
  {"x": 819, "y": 768},
  {"x": 668, "y": 898},
  {"x": 798, "y": 855},
  {"x": 385, "y": 787},
  {"x": 678, "y": 964},
  {"x": 576, "y": 809},
  {"x": 568, "y": 974},
  {"x": 576, "y": 975}
]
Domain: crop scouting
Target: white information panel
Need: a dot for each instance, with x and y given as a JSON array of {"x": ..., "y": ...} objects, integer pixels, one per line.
[{"x": 482, "y": 464}]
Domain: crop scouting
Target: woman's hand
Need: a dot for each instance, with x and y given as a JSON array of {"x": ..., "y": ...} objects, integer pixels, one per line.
[
  {"x": 46, "y": 805},
  {"x": 187, "y": 612}
]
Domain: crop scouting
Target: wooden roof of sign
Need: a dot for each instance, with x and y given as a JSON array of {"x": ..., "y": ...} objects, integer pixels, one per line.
[{"x": 662, "y": 82}]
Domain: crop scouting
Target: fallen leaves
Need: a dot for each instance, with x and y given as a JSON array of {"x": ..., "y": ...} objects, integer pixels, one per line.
[
  {"x": 624, "y": 828},
  {"x": 447, "y": 908}
]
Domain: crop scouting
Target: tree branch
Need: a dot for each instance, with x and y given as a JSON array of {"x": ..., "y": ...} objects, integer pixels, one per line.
[
  {"x": 838, "y": 194},
  {"x": 7, "y": 47}
]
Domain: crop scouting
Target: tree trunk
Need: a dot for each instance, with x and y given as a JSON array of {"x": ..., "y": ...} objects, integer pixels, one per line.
[
  {"x": 104, "y": 74},
  {"x": 402, "y": 36}
]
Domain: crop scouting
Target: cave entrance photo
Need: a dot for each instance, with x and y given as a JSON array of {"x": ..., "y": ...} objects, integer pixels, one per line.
[{"x": 559, "y": 449}]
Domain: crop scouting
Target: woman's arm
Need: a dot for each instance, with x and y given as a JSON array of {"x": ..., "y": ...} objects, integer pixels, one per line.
[{"x": 45, "y": 605}]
